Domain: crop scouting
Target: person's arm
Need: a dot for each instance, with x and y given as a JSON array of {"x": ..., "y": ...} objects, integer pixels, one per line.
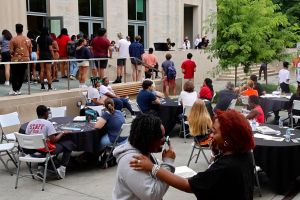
[
  {"x": 111, "y": 95},
  {"x": 253, "y": 113},
  {"x": 52, "y": 51},
  {"x": 110, "y": 50},
  {"x": 100, "y": 123},
  {"x": 182, "y": 68},
  {"x": 57, "y": 137}
]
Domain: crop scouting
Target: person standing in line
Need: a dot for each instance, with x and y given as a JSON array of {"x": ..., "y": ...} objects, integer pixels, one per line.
[
  {"x": 56, "y": 57},
  {"x": 136, "y": 50},
  {"x": 71, "y": 48},
  {"x": 284, "y": 78},
  {"x": 123, "y": 49},
  {"x": 62, "y": 41},
  {"x": 101, "y": 49},
  {"x": 33, "y": 57},
  {"x": 20, "y": 48},
  {"x": 82, "y": 52},
  {"x": 151, "y": 61},
  {"x": 188, "y": 68},
  {"x": 45, "y": 51},
  {"x": 5, "y": 55}
]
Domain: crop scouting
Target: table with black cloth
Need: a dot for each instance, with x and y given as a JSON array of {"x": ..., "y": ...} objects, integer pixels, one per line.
[
  {"x": 279, "y": 160},
  {"x": 271, "y": 104},
  {"x": 169, "y": 110},
  {"x": 87, "y": 139}
]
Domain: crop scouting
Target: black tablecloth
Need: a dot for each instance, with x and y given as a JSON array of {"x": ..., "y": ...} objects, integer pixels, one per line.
[
  {"x": 279, "y": 160},
  {"x": 86, "y": 140},
  {"x": 274, "y": 104}
]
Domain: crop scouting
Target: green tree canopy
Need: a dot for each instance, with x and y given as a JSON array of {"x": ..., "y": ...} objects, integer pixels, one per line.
[
  {"x": 291, "y": 8},
  {"x": 250, "y": 31}
]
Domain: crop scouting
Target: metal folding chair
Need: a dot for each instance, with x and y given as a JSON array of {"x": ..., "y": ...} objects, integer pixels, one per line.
[
  {"x": 35, "y": 141},
  {"x": 256, "y": 169},
  {"x": 185, "y": 114},
  {"x": 124, "y": 132},
  {"x": 7, "y": 120},
  {"x": 58, "y": 111},
  {"x": 7, "y": 149},
  {"x": 99, "y": 109},
  {"x": 232, "y": 104},
  {"x": 196, "y": 145},
  {"x": 135, "y": 107}
]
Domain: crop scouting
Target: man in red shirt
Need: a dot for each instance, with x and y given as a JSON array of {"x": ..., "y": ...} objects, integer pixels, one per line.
[
  {"x": 101, "y": 49},
  {"x": 188, "y": 68}
]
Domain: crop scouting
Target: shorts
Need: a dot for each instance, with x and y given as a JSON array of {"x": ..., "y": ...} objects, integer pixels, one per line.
[
  {"x": 135, "y": 61},
  {"x": 136, "y": 67},
  {"x": 83, "y": 64},
  {"x": 103, "y": 63},
  {"x": 169, "y": 82},
  {"x": 121, "y": 61},
  {"x": 5, "y": 56},
  {"x": 33, "y": 56}
]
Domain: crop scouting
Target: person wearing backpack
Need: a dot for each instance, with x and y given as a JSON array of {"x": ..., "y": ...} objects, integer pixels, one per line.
[
  {"x": 188, "y": 68},
  {"x": 71, "y": 48},
  {"x": 169, "y": 75}
]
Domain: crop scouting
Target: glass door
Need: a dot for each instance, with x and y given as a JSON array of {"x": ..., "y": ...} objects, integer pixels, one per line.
[
  {"x": 88, "y": 28},
  {"x": 138, "y": 29},
  {"x": 55, "y": 24}
]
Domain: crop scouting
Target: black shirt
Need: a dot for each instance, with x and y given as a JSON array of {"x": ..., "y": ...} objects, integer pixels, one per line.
[
  {"x": 259, "y": 88},
  {"x": 229, "y": 177},
  {"x": 225, "y": 99}
]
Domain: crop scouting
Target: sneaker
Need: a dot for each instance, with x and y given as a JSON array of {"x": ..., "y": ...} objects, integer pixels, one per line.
[
  {"x": 45, "y": 81},
  {"x": 61, "y": 172},
  {"x": 12, "y": 93},
  {"x": 64, "y": 77},
  {"x": 51, "y": 89},
  {"x": 6, "y": 83},
  {"x": 72, "y": 77},
  {"x": 18, "y": 92},
  {"x": 55, "y": 80},
  {"x": 43, "y": 88}
]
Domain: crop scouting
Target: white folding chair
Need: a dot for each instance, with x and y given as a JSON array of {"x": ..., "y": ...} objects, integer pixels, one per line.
[
  {"x": 99, "y": 109},
  {"x": 124, "y": 132},
  {"x": 7, "y": 120},
  {"x": 84, "y": 95},
  {"x": 185, "y": 114},
  {"x": 7, "y": 149},
  {"x": 244, "y": 100},
  {"x": 296, "y": 107},
  {"x": 232, "y": 104},
  {"x": 196, "y": 145},
  {"x": 135, "y": 107},
  {"x": 58, "y": 111},
  {"x": 35, "y": 141}
]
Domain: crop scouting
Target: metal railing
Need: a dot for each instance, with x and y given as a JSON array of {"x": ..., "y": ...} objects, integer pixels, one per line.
[{"x": 28, "y": 63}]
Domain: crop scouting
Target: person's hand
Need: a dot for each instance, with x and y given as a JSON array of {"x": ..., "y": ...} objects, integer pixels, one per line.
[
  {"x": 169, "y": 153},
  {"x": 66, "y": 132},
  {"x": 141, "y": 162}
]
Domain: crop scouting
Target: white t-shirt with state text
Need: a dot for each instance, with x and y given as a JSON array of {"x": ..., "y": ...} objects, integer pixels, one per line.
[
  {"x": 188, "y": 98},
  {"x": 106, "y": 89},
  {"x": 123, "y": 46},
  {"x": 40, "y": 126},
  {"x": 93, "y": 93},
  {"x": 284, "y": 76}
]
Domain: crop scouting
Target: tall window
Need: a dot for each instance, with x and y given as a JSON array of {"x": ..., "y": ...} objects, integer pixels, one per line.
[
  {"x": 90, "y": 16},
  {"x": 137, "y": 10},
  {"x": 36, "y": 14},
  {"x": 38, "y": 6}
]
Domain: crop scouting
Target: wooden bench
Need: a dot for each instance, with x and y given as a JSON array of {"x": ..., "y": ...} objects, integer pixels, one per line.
[{"x": 127, "y": 89}]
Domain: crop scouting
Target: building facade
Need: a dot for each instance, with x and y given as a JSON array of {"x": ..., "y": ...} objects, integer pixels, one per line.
[{"x": 154, "y": 20}]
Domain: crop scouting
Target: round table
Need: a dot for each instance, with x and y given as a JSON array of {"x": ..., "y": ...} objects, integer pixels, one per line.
[
  {"x": 279, "y": 160},
  {"x": 86, "y": 139},
  {"x": 271, "y": 104}
]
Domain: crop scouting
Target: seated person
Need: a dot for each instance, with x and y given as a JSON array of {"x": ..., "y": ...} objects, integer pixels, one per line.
[
  {"x": 94, "y": 96},
  {"x": 225, "y": 97},
  {"x": 256, "y": 111},
  {"x": 188, "y": 96},
  {"x": 199, "y": 123},
  {"x": 248, "y": 90},
  {"x": 295, "y": 96},
  {"x": 146, "y": 99},
  {"x": 207, "y": 90},
  {"x": 113, "y": 121},
  {"x": 119, "y": 102},
  {"x": 257, "y": 85},
  {"x": 230, "y": 176},
  {"x": 55, "y": 141},
  {"x": 147, "y": 136}
]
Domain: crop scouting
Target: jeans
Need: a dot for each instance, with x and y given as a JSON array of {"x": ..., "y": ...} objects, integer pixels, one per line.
[
  {"x": 122, "y": 103},
  {"x": 73, "y": 68},
  {"x": 104, "y": 141}
]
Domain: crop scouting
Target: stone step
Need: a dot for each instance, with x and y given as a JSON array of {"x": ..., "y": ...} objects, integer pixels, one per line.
[
  {"x": 239, "y": 72},
  {"x": 240, "y": 77}
]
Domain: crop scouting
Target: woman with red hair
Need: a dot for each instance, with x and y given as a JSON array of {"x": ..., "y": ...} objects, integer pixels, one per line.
[{"x": 231, "y": 174}]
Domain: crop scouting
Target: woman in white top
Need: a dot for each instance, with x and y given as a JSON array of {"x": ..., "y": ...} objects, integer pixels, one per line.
[{"x": 188, "y": 96}]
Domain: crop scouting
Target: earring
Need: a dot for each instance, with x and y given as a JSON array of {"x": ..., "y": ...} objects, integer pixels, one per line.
[{"x": 225, "y": 143}]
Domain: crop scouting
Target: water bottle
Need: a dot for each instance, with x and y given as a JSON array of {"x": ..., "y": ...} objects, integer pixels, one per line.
[
  {"x": 288, "y": 135},
  {"x": 280, "y": 122},
  {"x": 253, "y": 125},
  {"x": 49, "y": 114}
]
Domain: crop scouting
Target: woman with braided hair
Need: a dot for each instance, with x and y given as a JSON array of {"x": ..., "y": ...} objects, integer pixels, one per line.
[
  {"x": 112, "y": 120},
  {"x": 147, "y": 136}
]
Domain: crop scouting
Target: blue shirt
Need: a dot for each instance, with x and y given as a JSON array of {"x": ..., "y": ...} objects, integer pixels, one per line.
[
  {"x": 145, "y": 99},
  {"x": 136, "y": 50},
  {"x": 4, "y": 44},
  {"x": 113, "y": 124},
  {"x": 165, "y": 65}
]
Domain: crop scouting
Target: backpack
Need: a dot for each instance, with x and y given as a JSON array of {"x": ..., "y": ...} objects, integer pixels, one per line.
[
  {"x": 171, "y": 73},
  {"x": 71, "y": 48}
]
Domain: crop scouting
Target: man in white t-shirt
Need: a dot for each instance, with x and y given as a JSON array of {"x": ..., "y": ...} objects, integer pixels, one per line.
[
  {"x": 105, "y": 89},
  {"x": 94, "y": 96},
  {"x": 54, "y": 139},
  {"x": 284, "y": 78},
  {"x": 197, "y": 41},
  {"x": 123, "y": 49}
]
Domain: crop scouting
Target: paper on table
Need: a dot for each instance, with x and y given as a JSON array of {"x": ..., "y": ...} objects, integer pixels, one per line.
[
  {"x": 267, "y": 130},
  {"x": 184, "y": 172},
  {"x": 79, "y": 119},
  {"x": 268, "y": 137}
]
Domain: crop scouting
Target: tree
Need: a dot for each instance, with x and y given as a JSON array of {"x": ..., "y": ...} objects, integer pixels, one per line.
[
  {"x": 250, "y": 31},
  {"x": 291, "y": 8}
]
